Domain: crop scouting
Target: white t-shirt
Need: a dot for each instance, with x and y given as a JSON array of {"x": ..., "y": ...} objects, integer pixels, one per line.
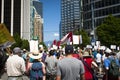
[{"x": 98, "y": 58}]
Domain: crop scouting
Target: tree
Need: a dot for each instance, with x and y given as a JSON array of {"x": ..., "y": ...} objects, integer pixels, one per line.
[
  {"x": 85, "y": 38},
  {"x": 44, "y": 46},
  {"x": 23, "y": 44},
  {"x": 18, "y": 41},
  {"x": 109, "y": 31}
]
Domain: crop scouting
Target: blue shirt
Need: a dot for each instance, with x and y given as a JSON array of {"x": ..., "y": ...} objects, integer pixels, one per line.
[
  {"x": 106, "y": 63},
  {"x": 108, "y": 60}
]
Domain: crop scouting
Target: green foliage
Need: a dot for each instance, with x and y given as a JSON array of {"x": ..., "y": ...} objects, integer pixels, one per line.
[
  {"x": 109, "y": 31},
  {"x": 44, "y": 46},
  {"x": 25, "y": 44},
  {"x": 85, "y": 37},
  {"x": 20, "y": 42}
]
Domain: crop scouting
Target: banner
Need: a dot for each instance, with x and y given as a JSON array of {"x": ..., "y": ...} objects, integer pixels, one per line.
[{"x": 5, "y": 37}]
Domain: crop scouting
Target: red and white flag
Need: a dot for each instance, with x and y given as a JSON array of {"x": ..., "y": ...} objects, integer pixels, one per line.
[{"x": 67, "y": 39}]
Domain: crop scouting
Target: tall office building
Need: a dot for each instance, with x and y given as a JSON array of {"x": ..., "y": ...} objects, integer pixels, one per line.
[
  {"x": 94, "y": 12},
  {"x": 15, "y": 15},
  {"x": 19, "y": 17},
  {"x": 91, "y": 14},
  {"x": 70, "y": 16},
  {"x": 38, "y": 20}
]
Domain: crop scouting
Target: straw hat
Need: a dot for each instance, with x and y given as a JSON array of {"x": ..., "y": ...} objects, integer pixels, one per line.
[{"x": 35, "y": 55}]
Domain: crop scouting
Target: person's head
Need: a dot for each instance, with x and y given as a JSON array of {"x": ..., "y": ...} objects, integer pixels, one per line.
[
  {"x": 113, "y": 53},
  {"x": 69, "y": 49},
  {"x": 24, "y": 50},
  {"x": 35, "y": 55},
  {"x": 51, "y": 52},
  {"x": 17, "y": 51}
]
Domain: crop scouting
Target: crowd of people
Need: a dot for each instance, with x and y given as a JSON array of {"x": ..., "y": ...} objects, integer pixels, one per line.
[{"x": 67, "y": 64}]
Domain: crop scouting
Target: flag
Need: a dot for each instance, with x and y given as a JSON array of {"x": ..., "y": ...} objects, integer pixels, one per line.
[{"x": 67, "y": 39}]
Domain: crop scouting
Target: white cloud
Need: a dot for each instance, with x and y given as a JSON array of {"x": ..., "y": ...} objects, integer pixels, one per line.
[{"x": 56, "y": 34}]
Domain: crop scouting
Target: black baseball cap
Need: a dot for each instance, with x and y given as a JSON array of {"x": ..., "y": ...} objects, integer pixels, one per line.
[{"x": 69, "y": 49}]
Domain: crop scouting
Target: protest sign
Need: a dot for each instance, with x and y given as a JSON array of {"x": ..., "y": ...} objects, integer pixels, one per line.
[
  {"x": 34, "y": 46},
  {"x": 5, "y": 37}
]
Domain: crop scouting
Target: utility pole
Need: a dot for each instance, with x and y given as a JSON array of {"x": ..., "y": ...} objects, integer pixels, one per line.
[
  {"x": 81, "y": 13},
  {"x": 93, "y": 23}
]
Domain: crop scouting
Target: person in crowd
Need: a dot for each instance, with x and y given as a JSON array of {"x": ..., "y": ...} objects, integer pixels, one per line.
[
  {"x": 89, "y": 64},
  {"x": 107, "y": 62},
  {"x": 24, "y": 54},
  {"x": 98, "y": 60},
  {"x": 36, "y": 68},
  {"x": 51, "y": 64},
  {"x": 3, "y": 59},
  {"x": 94, "y": 53},
  {"x": 44, "y": 55},
  {"x": 70, "y": 68},
  {"x": 118, "y": 55},
  {"x": 15, "y": 65},
  {"x": 76, "y": 54}
]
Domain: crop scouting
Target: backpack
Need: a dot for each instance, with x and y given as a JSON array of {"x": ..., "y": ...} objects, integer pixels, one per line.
[
  {"x": 36, "y": 71},
  {"x": 114, "y": 68}
]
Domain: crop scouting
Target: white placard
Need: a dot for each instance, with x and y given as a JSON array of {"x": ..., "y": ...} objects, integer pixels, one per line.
[
  {"x": 89, "y": 46},
  {"x": 113, "y": 46},
  {"x": 102, "y": 47},
  {"x": 34, "y": 46},
  {"x": 41, "y": 47},
  {"x": 97, "y": 43},
  {"x": 118, "y": 48},
  {"x": 75, "y": 39}
]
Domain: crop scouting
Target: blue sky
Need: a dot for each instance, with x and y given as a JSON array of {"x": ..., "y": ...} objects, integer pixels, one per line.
[{"x": 51, "y": 16}]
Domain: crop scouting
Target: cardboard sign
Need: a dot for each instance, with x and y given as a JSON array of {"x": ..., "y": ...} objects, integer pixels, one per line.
[{"x": 5, "y": 35}]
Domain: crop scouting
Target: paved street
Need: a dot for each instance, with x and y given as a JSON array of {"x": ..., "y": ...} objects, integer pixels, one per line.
[{"x": 4, "y": 77}]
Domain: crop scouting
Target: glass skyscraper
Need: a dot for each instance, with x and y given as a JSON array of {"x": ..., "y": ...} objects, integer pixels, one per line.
[
  {"x": 86, "y": 14},
  {"x": 101, "y": 9},
  {"x": 70, "y": 16}
]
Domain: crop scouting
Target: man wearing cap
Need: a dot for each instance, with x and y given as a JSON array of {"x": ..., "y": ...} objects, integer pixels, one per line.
[
  {"x": 70, "y": 68},
  {"x": 15, "y": 65}
]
